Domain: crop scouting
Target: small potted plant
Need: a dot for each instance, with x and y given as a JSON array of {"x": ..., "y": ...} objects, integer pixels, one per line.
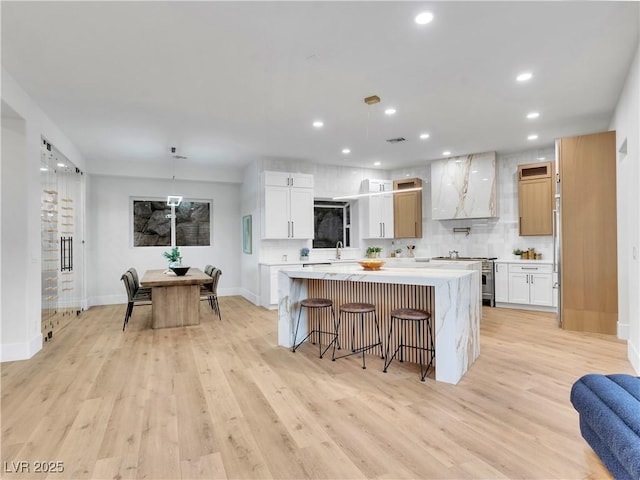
[
  {"x": 373, "y": 252},
  {"x": 304, "y": 254},
  {"x": 517, "y": 252},
  {"x": 174, "y": 257}
]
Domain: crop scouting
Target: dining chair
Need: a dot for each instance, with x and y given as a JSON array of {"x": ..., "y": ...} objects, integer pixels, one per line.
[
  {"x": 210, "y": 290},
  {"x": 136, "y": 279},
  {"x": 134, "y": 296}
]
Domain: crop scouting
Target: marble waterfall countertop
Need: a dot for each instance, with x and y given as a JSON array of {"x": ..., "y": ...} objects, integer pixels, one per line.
[{"x": 456, "y": 318}]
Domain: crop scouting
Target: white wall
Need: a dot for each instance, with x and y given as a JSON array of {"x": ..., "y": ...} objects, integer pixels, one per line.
[
  {"x": 109, "y": 243},
  {"x": 249, "y": 268},
  {"x": 626, "y": 123},
  {"x": 22, "y": 239}
]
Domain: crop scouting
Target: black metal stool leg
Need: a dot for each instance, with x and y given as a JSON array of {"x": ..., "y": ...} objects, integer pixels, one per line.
[
  {"x": 375, "y": 317},
  {"x": 423, "y": 373},
  {"x": 387, "y": 359},
  {"x": 295, "y": 335},
  {"x": 364, "y": 366}
]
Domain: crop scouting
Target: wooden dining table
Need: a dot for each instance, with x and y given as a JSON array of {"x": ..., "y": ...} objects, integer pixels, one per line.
[{"x": 175, "y": 301}]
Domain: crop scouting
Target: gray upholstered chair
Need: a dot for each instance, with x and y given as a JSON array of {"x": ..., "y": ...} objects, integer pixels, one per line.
[
  {"x": 209, "y": 291},
  {"x": 134, "y": 296}
]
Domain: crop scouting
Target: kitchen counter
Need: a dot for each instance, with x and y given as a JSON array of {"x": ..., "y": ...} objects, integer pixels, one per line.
[
  {"x": 451, "y": 296},
  {"x": 545, "y": 261},
  {"x": 315, "y": 261}
]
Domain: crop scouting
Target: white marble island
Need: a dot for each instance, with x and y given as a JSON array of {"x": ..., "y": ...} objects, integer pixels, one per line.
[{"x": 451, "y": 296}]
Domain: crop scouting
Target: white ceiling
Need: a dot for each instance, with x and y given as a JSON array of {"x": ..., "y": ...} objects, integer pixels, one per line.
[{"x": 229, "y": 82}]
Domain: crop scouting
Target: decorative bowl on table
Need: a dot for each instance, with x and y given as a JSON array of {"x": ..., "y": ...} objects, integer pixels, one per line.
[
  {"x": 372, "y": 264},
  {"x": 180, "y": 271}
]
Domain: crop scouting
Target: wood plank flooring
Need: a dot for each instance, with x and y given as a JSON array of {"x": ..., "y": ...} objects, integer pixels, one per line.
[{"x": 222, "y": 400}]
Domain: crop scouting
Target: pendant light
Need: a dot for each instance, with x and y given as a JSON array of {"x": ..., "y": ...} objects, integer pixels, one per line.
[{"x": 174, "y": 200}]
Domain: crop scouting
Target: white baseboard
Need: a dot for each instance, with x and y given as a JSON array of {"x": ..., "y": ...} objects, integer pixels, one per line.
[
  {"x": 518, "y": 306},
  {"x": 633, "y": 352},
  {"x": 623, "y": 331},
  {"x": 10, "y": 352}
]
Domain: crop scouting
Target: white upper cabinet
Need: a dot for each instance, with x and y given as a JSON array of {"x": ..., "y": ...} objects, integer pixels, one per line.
[
  {"x": 378, "y": 208},
  {"x": 288, "y": 205},
  {"x": 464, "y": 187}
]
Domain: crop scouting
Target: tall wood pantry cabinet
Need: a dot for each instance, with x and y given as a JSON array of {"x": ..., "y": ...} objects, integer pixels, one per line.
[
  {"x": 536, "y": 198},
  {"x": 407, "y": 208}
]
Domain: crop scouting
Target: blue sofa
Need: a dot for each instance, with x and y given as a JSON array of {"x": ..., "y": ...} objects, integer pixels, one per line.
[{"x": 609, "y": 408}]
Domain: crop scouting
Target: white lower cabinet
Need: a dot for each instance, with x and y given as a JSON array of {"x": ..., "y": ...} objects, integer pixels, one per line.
[
  {"x": 524, "y": 284},
  {"x": 501, "y": 278}
]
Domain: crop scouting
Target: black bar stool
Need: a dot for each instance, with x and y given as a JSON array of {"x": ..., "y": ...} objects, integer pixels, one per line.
[
  {"x": 317, "y": 304},
  {"x": 420, "y": 317},
  {"x": 361, "y": 309}
]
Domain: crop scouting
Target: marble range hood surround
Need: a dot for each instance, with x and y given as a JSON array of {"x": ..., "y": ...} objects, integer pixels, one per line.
[{"x": 464, "y": 187}]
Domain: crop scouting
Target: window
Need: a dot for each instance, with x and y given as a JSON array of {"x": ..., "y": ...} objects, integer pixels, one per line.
[
  {"x": 157, "y": 224},
  {"x": 332, "y": 224}
]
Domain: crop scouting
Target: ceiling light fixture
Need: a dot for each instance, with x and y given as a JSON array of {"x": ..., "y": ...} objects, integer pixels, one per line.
[
  {"x": 532, "y": 137},
  {"x": 523, "y": 77},
  {"x": 424, "y": 136},
  {"x": 346, "y": 151},
  {"x": 533, "y": 115},
  {"x": 390, "y": 111},
  {"x": 174, "y": 200},
  {"x": 377, "y": 164},
  {"x": 318, "y": 123},
  {"x": 423, "y": 18},
  {"x": 446, "y": 152}
]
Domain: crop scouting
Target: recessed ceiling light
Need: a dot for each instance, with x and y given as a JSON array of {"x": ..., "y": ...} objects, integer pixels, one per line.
[
  {"x": 44, "y": 169},
  {"x": 423, "y": 18},
  {"x": 533, "y": 115},
  {"x": 446, "y": 152},
  {"x": 318, "y": 123},
  {"x": 542, "y": 158},
  {"x": 390, "y": 111},
  {"x": 424, "y": 136},
  {"x": 523, "y": 77},
  {"x": 376, "y": 163},
  {"x": 407, "y": 174},
  {"x": 61, "y": 164},
  {"x": 346, "y": 150},
  {"x": 532, "y": 137}
]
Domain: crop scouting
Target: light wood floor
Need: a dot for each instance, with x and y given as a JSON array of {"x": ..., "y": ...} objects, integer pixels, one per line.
[{"x": 222, "y": 400}]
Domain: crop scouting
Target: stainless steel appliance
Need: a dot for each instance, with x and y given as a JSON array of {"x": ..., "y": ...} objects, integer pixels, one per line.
[{"x": 488, "y": 278}]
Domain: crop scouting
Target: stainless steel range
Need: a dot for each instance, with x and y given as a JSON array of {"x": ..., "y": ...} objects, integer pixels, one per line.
[{"x": 488, "y": 279}]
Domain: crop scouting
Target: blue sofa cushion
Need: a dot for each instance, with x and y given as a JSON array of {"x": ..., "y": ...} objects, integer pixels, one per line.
[{"x": 609, "y": 408}]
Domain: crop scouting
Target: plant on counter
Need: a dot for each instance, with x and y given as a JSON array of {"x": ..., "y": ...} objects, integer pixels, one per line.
[
  {"x": 304, "y": 252},
  {"x": 373, "y": 252},
  {"x": 517, "y": 252},
  {"x": 173, "y": 255}
]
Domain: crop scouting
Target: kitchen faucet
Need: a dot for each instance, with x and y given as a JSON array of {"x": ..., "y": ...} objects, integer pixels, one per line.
[{"x": 339, "y": 245}]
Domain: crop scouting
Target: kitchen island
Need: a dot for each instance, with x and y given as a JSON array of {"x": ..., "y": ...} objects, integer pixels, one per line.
[{"x": 451, "y": 296}]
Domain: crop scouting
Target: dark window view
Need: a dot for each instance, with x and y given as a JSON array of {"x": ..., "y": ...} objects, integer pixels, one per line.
[
  {"x": 151, "y": 226},
  {"x": 192, "y": 224},
  {"x": 152, "y": 223},
  {"x": 332, "y": 224}
]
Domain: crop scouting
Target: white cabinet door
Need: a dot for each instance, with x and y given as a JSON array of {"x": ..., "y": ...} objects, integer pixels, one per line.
[
  {"x": 301, "y": 201},
  {"x": 501, "y": 282},
  {"x": 277, "y": 222},
  {"x": 273, "y": 285},
  {"x": 277, "y": 179},
  {"x": 518, "y": 287},
  {"x": 386, "y": 215},
  {"x": 301, "y": 180},
  {"x": 374, "y": 225},
  {"x": 541, "y": 289}
]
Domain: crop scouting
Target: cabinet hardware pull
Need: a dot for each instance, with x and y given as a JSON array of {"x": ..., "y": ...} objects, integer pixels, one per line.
[
  {"x": 292, "y": 230},
  {"x": 527, "y": 278},
  {"x": 531, "y": 279},
  {"x": 529, "y": 268}
]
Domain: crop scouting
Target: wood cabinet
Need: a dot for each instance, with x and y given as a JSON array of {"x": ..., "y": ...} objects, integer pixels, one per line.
[
  {"x": 407, "y": 208},
  {"x": 588, "y": 238},
  {"x": 536, "y": 198},
  {"x": 288, "y": 205},
  {"x": 378, "y": 209}
]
